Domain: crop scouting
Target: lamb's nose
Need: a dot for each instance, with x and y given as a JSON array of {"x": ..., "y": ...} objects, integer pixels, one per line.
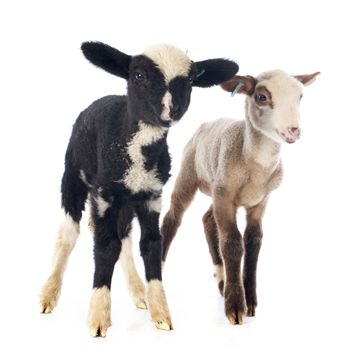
[
  {"x": 166, "y": 108},
  {"x": 294, "y": 132}
]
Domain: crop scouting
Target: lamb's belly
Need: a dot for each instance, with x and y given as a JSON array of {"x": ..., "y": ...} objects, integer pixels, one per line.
[
  {"x": 205, "y": 187},
  {"x": 250, "y": 196}
]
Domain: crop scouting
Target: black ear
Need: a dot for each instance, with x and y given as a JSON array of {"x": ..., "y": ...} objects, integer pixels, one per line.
[
  {"x": 214, "y": 72},
  {"x": 107, "y": 58}
]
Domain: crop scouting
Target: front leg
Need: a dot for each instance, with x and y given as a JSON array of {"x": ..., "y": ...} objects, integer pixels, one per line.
[
  {"x": 107, "y": 248},
  {"x": 151, "y": 246},
  {"x": 252, "y": 241},
  {"x": 231, "y": 247}
]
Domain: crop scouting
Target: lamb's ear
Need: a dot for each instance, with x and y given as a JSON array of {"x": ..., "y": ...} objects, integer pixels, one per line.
[
  {"x": 107, "y": 58},
  {"x": 214, "y": 72},
  {"x": 247, "y": 84},
  {"x": 307, "y": 79}
]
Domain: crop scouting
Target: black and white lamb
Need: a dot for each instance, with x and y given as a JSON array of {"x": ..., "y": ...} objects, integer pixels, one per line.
[{"x": 118, "y": 157}]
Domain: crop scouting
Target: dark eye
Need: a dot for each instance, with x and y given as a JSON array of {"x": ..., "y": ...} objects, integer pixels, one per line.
[
  {"x": 139, "y": 76},
  {"x": 262, "y": 98}
]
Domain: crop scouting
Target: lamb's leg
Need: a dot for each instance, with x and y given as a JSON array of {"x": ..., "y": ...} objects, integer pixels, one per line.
[
  {"x": 107, "y": 246},
  {"x": 185, "y": 188},
  {"x": 135, "y": 284},
  {"x": 252, "y": 241},
  {"x": 231, "y": 246},
  {"x": 211, "y": 234},
  {"x": 74, "y": 194},
  {"x": 151, "y": 246},
  {"x": 67, "y": 236}
]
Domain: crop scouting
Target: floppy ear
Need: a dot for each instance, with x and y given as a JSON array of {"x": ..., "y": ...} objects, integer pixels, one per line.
[
  {"x": 307, "y": 79},
  {"x": 214, "y": 71},
  {"x": 247, "y": 84},
  {"x": 107, "y": 58}
]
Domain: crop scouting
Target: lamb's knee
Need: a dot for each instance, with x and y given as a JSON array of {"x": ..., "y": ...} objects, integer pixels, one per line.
[
  {"x": 68, "y": 231},
  {"x": 253, "y": 237},
  {"x": 231, "y": 246},
  {"x": 151, "y": 246}
]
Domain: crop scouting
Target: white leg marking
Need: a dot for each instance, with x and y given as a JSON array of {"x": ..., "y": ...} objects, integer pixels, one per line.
[
  {"x": 155, "y": 205},
  {"x": 219, "y": 273},
  {"x": 135, "y": 285},
  {"x": 158, "y": 305},
  {"x": 67, "y": 236},
  {"x": 83, "y": 178},
  {"x": 100, "y": 312},
  {"x": 102, "y": 205}
]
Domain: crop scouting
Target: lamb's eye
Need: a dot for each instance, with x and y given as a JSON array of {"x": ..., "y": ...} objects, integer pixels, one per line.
[
  {"x": 262, "y": 98},
  {"x": 139, "y": 76}
]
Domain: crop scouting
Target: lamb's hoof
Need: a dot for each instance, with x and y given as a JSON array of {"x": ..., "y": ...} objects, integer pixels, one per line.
[
  {"x": 48, "y": 299},
  {"x": 235, "y": 305},
  {"x": 164, "y": 325},
  {"x": 141, "y": 304},
  {"x": 251, "y": 310},
  {"x": 98, "y": 324},
  {"x": 236, "y": 317},
  {"x": 99, "y": 331},
  {"x": 46, "y": 308},
  {"x": 98, "y": 327}
]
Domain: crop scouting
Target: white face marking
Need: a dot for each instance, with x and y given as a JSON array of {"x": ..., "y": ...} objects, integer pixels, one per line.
[
  {"x": 102, "y": 205},
  {"x": 167, "y": 104},
  {"x": 137, "y": 178},
  {"x": 155, "y": 205},
  {"x": 171, "y": 61}
]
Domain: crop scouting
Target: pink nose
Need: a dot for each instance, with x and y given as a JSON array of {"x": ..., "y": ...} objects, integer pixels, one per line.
[
  {"x": 166, "y": 109},
  {"x": 294, "y": 132},
  {"x": 166, "y": 112}
]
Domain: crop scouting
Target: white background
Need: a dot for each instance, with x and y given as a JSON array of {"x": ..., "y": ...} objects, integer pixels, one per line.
[{"x": 303, "y": 274}]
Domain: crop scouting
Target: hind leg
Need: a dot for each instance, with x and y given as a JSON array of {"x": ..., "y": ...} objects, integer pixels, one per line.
[
  {"x": 74, "y": 194},
  {"x": 135, "y": 284},
  {"x": 211, "y": 234}
]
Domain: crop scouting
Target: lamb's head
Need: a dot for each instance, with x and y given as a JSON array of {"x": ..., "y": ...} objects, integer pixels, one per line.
[
  {"x": 272, "y": 102},
  {"x": 160, "y": 80}
]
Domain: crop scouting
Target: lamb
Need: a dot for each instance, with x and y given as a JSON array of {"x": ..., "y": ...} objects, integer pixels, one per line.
[
  {"x": 118, "y": 157},
  {"x": 238, "y": 164}
]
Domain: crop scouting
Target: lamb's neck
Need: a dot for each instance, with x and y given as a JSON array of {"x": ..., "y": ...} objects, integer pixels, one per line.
[{"x": 259, "y": 148}]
